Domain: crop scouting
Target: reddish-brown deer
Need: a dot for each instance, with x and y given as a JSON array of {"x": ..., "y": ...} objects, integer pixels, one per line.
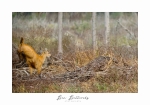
[{"x": 34, "y": 60}]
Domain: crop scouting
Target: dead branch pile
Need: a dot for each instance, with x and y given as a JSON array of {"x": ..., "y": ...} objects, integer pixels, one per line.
[{"x": 100, "y": 66}]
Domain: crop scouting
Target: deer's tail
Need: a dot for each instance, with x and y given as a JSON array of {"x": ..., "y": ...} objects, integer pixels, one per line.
[{"x": 21, "y": 41}]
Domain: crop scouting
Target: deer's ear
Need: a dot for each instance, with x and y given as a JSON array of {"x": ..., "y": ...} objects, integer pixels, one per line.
[{"x": 41, "y": 51}]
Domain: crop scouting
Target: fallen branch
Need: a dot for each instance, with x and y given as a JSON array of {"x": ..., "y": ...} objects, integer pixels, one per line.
[{"x": 128, "y": 31}]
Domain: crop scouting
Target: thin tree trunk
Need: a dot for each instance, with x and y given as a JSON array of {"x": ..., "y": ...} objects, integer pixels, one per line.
[
  {"x": 60, "y": 50},
  {"x": 106, "y": 28},
  {"x": 94, "y": 31}
]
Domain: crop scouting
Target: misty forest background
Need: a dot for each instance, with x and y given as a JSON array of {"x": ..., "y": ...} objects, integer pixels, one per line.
[{"x": 80, "y": 37}]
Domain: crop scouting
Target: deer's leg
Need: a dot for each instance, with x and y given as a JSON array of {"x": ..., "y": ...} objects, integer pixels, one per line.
[
  {"x": 39, "y": 72},
  {"x": 31, "y": 70}
]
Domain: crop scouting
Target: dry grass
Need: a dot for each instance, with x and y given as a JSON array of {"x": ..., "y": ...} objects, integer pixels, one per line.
[
  {"x": 122, "y": 69},
  {"x": 115, "y": 81}
]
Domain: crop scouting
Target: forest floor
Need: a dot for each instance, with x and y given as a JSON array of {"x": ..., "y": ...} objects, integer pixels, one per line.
[
  {"x": 111, "y": 70},
  {"x": 80, "y": 72}
]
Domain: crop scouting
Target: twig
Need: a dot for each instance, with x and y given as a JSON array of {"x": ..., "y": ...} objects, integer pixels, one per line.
[
  {"x": 21, "y": 71},
  {"x": 124, "y": 28}
]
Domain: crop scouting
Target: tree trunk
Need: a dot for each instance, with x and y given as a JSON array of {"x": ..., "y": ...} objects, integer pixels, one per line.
[
  {"x": 60, "y": 50},
  {"x": 94, "y": 31},
  {"x": 106, "y": 28}
]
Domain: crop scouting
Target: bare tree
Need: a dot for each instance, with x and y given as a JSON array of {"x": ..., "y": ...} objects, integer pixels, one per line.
[
  {"x": 136, "y": 17},
  {"x": 60, "y": 50},
  {"x": 94, "y": 31},
  {"x": 106, "y": 28}
]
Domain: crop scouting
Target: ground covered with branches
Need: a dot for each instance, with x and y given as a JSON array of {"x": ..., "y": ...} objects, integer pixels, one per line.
[
  {"x": 81, "y": 72},
  {"x": 110, "y": 70}
]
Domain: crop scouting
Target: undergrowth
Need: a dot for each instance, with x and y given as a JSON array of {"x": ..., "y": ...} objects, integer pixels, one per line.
[{"x": 77, "y": 48}]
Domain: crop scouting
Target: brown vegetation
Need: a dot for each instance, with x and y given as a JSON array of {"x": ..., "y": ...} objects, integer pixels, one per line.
[
  {"x": 111, "y": 70},
  {"x": 83, "y": 72},
  {"x": 19, "y": 59}
]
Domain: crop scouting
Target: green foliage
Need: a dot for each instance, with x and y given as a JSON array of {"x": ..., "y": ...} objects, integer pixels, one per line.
[
  {"x": 74, "y": 89},
  {"x": 127, "y": 13},
  {"x": 87, "y": 16},
  {"x": 81, "y": 27},
  {"x": 101, "y": 87},
  {"x": 115, "y": 15},
  {"x": 14, "y": 14},
  {"x": 29, "y": 15},
  {"x": 121, "y": 41},
  {"x": 132, "y": 42}
]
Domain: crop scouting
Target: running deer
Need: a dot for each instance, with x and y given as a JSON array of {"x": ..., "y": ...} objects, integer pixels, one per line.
[{"x": 34, "y": 60}]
